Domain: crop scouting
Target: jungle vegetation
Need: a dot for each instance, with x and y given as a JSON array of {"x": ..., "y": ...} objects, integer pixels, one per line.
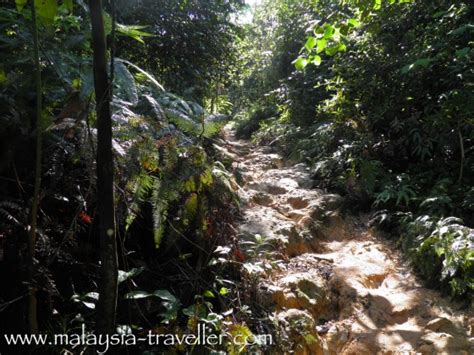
[{"x": 116, "y": 209}]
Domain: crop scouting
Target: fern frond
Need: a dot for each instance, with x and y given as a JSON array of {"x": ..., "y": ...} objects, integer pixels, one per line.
[
  {"x": 124, "y": 84},
  {"x": 140, "y": 187},
  {"x": 160, "y": 212},
  {"x": 182, "y": 121}
]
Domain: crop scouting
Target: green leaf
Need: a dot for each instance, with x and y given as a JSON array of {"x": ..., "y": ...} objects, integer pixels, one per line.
[
  {"x": 125, "y": 87},
  {"x": 46, "y": 10},
  {"x": 353, "y": 22},
  {"x": 344, "y": 29},
  {"x": 133, "y": 31},
  {"x": 340, "y": 47},
  {"x": 76, "y": 83},
  {"x": 328, "y": 32},
  {"x": 195, "y": 311},
  {"x": 322, "y": 43},
  {"x": 170, "y": 303},
  {"x": 20, "y": 4},
  {"x": 460, "y": 30},
  {"x": 209, "y": 294},
  {"x": 439, "y": 14},
  {"x": 135, "y": 295},
  {"x": 377, "y": 5},
  {"x": 462, "y": 52},
  {"x": 125, "y": 275},
  {"x": 165, "y": 295},
  {"x": 93, "y": 295},
  {"x": 87, "y": 300},
  {"x": 319, "y": 31},
  {"x": 90, "y": 305},
  {"x": 223, "y": 291},
  {"x": 423, "y": 62},
  {"x": 316, "y": 60},
  {"x": 310, "y": 43},
  {"x": 301, "y": 63}
]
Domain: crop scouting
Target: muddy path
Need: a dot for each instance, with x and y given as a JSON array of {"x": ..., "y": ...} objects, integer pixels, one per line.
[{"x": 332, "y": 284}]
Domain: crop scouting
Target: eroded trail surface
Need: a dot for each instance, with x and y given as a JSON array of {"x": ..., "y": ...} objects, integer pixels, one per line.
[{"x": 334, "y": 285}]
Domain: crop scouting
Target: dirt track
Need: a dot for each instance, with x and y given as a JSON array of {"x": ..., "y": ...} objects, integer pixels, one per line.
[{"x": 334, "y": 285}]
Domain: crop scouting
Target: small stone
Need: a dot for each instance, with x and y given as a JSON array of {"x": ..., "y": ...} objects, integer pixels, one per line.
[{"x": 439, "y": 323}]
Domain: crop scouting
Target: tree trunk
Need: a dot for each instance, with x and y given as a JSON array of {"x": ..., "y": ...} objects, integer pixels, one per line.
[
  {"x": 463, "y": 155},
  {"x": 32, "y": 304},
  {"x": 105, "y": 177}
]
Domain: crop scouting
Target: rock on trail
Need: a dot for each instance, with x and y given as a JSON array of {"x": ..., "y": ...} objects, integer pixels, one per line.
[{"x": 333, "y": 285}]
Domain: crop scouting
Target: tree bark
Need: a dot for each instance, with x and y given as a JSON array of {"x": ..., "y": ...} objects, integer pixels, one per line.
[
  {"x": 107, "y": 303},
  {"x": 32, "y": 303},
  {"x": 463, "y": 155}
]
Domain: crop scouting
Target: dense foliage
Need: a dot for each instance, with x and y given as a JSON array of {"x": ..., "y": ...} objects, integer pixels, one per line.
[
  {"x": 362, "y": 106},
  {"x": 191, "y": 45},
  {"x": 174, "y": 204},
  {"x": 375, "y": 96}
]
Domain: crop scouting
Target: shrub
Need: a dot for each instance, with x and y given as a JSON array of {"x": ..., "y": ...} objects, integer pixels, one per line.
[{"x": 442, "y": 251}]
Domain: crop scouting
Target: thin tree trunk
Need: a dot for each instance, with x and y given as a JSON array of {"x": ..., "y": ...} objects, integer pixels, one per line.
[
  {"x": 32, "y": 304},
  {"x": 105, "y": 171},
  {"x": 463, "y": 156}
]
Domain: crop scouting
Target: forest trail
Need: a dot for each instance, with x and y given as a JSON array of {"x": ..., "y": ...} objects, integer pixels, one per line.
[{"x": 335, "y": 286}]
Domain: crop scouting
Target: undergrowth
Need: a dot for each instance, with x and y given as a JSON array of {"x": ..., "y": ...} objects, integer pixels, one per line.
[{"x": 383, "y": 116}]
